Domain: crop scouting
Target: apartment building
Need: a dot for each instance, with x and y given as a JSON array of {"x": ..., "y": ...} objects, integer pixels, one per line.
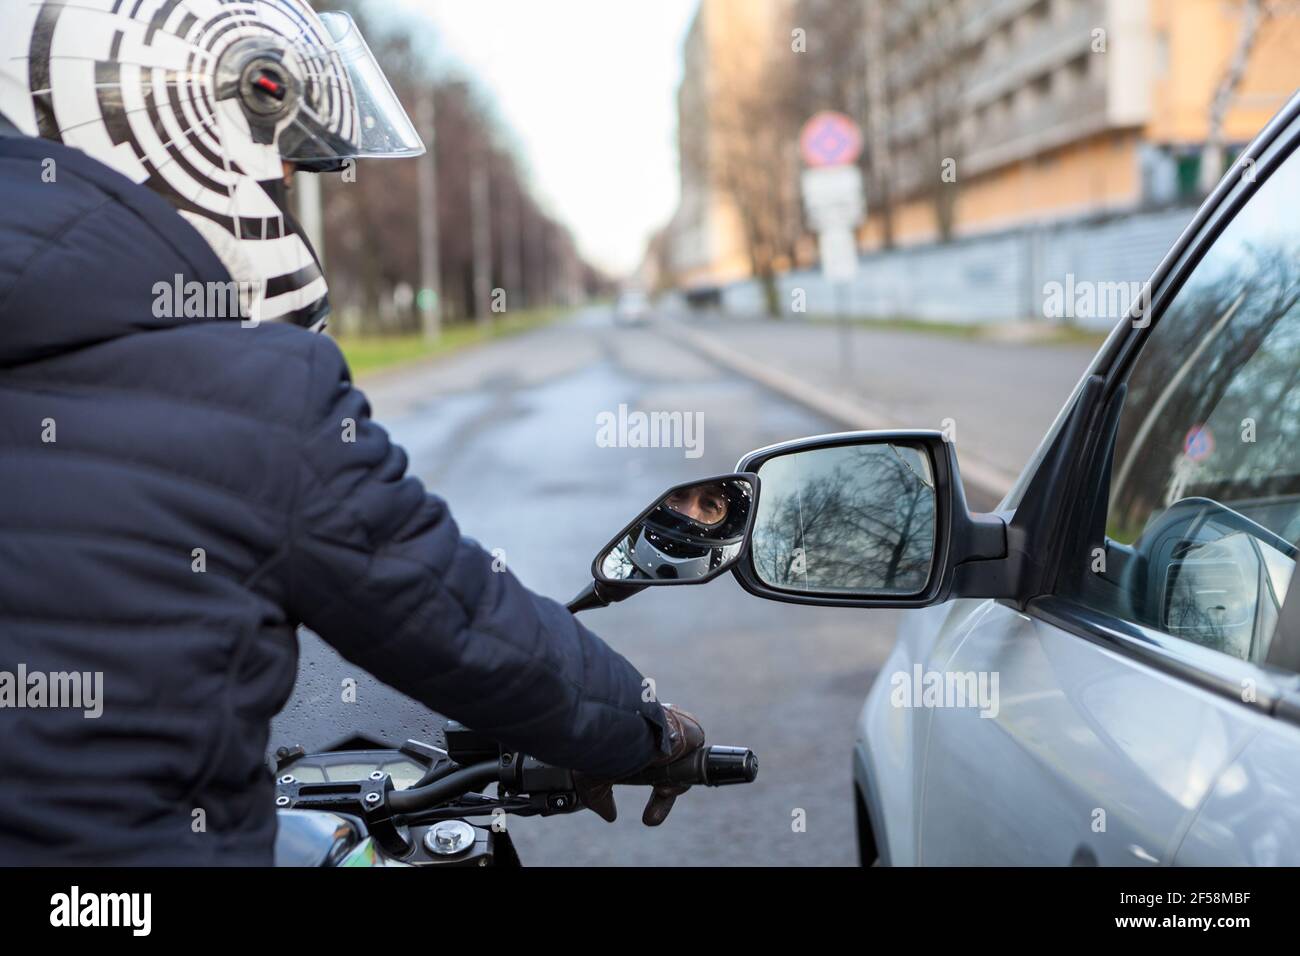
[{"x": 1022, "y": 111}]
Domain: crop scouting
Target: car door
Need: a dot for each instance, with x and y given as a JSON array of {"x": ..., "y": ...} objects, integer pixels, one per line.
[{"x": 1145, "y": 703}]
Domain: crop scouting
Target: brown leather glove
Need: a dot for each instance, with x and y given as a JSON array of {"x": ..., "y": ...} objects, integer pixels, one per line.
[{"x": 684, "y": 736}]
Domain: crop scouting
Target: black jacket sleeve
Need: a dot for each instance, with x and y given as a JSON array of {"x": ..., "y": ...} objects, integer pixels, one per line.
[{"x": 378, "y": 568}]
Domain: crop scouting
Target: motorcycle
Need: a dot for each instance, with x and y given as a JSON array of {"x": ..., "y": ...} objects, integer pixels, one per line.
[{"x": 362, "y": 802}]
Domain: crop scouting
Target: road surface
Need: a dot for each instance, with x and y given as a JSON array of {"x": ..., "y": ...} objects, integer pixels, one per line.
[
  {"x": 507, "y": 433},
  {"x": 995, "y": 399}
]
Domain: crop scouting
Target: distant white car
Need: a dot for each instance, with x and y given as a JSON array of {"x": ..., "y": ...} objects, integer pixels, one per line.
[{"x": 632, "y": 308}]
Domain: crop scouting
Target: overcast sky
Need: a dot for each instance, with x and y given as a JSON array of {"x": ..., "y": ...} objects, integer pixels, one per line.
[{"x": 588, "y": 89}]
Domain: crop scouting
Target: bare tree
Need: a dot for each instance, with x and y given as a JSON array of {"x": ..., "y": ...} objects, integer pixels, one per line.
[
  {"x": 371, "y": 211},
  {"x": 878, "y": 112},
  {"x": 944, "y": 85},
  {"x": 1254, "y": 13},
  {"x": 752, "y": 128}
]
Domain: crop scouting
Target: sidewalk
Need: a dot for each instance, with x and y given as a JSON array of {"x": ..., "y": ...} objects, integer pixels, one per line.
[{"x": 1002, "y": 396}]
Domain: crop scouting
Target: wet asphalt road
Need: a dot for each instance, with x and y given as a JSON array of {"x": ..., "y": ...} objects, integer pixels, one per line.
[{"x": 507, "y": 434}]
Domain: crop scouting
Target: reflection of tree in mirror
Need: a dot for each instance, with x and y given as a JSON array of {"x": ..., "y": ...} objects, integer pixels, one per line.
[
  {"x": 1189, "y": 617},
  {"x": 1226, "y": 358},
  {"x": 851, "y": 518},
  {"x": 1217, "y": 594}
]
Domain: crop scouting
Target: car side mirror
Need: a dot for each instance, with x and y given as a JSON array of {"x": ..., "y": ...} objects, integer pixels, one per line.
[
  {"x": 863, "y": 519},
  {"x": 690, "y": 534}
]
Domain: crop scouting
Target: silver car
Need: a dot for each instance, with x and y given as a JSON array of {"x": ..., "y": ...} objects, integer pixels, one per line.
[{"x": 1106, "y": 670}]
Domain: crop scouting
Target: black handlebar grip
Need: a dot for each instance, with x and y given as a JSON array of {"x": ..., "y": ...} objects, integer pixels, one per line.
[
  {"x": 727, "y": 765},
  {"x": 709, "y": 767}
]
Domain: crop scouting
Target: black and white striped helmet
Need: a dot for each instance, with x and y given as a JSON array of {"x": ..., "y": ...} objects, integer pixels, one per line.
[{"x": 201, "y": 101}]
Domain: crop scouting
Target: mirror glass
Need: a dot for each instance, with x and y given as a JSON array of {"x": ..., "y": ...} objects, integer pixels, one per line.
[
  {"x": 692, "y": 533},
  {"x": 847, "y": 519}
]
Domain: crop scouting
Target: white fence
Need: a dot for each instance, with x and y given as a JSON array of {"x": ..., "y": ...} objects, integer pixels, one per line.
[{"x": 998, "y": 277}]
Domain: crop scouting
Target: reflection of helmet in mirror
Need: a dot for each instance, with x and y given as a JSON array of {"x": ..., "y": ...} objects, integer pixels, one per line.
[
  {"x": 733, "y": 502},
  {"x": 658, "y": 556},
  {"x": 672, "y": 545},
  {"x": 202, "y": 101}
]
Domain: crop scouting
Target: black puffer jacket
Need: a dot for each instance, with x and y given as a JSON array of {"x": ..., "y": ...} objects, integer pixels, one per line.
[{"x": 128, "y": 441}]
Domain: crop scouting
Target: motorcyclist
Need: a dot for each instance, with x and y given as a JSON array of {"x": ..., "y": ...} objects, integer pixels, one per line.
[{"x": 181, "y": 487}]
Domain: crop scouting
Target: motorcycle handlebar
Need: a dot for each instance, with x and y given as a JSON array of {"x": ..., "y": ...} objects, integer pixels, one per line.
[
  {"x": 710, "y": 767},
  {"x": 442, "y": 790}
]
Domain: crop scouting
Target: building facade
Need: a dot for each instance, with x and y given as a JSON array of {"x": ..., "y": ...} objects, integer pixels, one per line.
[{"x": 1009, "y": 112}]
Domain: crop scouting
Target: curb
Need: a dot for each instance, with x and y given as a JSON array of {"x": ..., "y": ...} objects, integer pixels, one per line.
[{"x": 853, "y": 415}]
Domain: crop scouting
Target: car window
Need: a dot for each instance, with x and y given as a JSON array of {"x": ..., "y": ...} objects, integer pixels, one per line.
[{"x": 1203, "y": 509}]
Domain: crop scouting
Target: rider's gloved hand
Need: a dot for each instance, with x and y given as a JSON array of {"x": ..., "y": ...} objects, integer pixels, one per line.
[{"x": 685, "y": 735}]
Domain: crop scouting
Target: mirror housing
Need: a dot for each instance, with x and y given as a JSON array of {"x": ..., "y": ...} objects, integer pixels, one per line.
[{"x": 952, "y": 535}]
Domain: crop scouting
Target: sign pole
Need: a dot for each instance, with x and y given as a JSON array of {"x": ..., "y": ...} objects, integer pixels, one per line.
[
  {"x": 846, "y": 334},
  {"x": 832, "y": 193}
]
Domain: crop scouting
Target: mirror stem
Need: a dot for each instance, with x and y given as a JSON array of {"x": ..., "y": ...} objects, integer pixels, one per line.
[{"x": 597, "y": 594}]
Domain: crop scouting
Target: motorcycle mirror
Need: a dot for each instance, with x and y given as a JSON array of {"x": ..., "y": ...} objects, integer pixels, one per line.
[{"x": 689, "y": 535}]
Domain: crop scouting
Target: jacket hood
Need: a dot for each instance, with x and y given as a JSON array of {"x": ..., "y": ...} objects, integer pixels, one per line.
[{"x": 87, "y": 256}]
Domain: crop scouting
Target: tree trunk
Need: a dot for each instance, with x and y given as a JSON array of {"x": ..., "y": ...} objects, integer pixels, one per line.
[
  {"x": 771, "y": 296},
  {"x": 1212, "y": 156}
]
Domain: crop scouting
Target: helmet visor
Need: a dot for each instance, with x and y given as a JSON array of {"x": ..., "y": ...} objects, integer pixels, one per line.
[{"x": 347, "y": 110}]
